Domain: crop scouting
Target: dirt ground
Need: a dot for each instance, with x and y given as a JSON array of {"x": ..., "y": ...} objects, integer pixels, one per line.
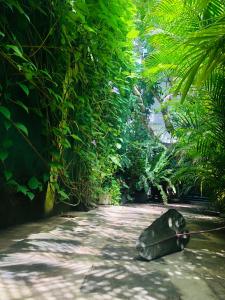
[{"x": 92, "y": 255}]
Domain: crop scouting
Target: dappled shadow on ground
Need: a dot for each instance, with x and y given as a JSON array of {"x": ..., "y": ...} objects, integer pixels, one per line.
[
  {"x": 40, "y": 281},
  {"x": 93, "y": 257},
  {"x": 128, "y": 281}
]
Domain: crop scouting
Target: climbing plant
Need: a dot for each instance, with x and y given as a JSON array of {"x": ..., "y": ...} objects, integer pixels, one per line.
[{"x": 65, "y": 90}]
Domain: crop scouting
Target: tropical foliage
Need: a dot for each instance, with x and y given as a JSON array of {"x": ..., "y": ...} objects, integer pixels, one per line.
[
  {"x": 65, "y": 86},
  {"x": 186, "y": 42},
  {"x": 77, "y": 83}
]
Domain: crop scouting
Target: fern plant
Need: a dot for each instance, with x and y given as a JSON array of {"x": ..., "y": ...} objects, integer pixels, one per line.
[{"x": 186, "y": 45}]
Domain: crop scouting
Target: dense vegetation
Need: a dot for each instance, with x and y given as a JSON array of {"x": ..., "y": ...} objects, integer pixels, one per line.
[
  {"x": 186, "y": 51},
  {"x": 65, "y": 90},
  {"x": 75, "y": 98}
]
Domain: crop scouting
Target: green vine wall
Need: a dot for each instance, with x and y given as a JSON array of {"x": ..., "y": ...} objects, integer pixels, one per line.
[{"x": 65, "y": 86}]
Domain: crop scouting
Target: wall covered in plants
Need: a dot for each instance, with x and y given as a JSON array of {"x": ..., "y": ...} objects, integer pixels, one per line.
[{"x": 65, "y": 87}]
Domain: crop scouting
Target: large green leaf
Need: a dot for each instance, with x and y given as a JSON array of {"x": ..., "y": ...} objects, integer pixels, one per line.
[
  {"x": 5, "y": 112},
  {"x": 34, "y": 183},
  {"x": 24, "y": 88},
  {"x": 22, "y": 127},
  {"x": 21, "y": 104},
  {"x": 3, "y": 154}
]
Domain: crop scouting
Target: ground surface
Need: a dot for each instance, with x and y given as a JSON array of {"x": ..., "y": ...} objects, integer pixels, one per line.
[{"x": 92, "y": 256}]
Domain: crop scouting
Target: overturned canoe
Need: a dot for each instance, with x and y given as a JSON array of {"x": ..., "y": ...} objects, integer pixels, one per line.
[{"x": 164, "y": 236}]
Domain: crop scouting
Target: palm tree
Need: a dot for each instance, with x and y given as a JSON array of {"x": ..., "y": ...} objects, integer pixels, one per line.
[{"x": 186, "y": 39}]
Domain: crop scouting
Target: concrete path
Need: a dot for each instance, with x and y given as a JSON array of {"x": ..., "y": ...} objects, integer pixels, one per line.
[{"x": 92, "y": 256}]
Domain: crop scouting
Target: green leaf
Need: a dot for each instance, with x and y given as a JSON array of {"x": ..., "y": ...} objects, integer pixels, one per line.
[
  {"x": 88, "y": 28},
  {"x": 22, "y": 189},
  {"x": 34, "y": 183},
  {"x": 5, "y": 112},
  {"x": 133, "y": 34},
  {"x": 118, "y": 146},
  {"x": 76, "y": 138},
  {"x": 63, "y": 194},
  {"x": 70, "y": 105},
  {"x": 22, "y": 105},
  {"x": 65, "y": 143},
  {"x": 45, "y": 72},
  {"x": 16, "y": 50},
  {"x": 3, "y": 155},
  {"x": 30, "y": 195},
  {"x": 29, "y": 75},
  {"x": 22, "y": 127},
  {"x": 115, "y": 160},
  {"x": 8, "y": 175},
  {"x": 24, "y": 88},
  {"x": 56, "y": 165}
]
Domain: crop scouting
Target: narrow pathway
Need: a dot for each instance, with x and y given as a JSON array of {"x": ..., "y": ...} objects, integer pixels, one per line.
[{"x": 92, "y": 256}]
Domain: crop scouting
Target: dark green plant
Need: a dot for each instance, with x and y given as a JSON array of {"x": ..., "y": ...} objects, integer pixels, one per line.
[
  {"x": 67, "y": 64},
  {"x": 145, "y": 160}
]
